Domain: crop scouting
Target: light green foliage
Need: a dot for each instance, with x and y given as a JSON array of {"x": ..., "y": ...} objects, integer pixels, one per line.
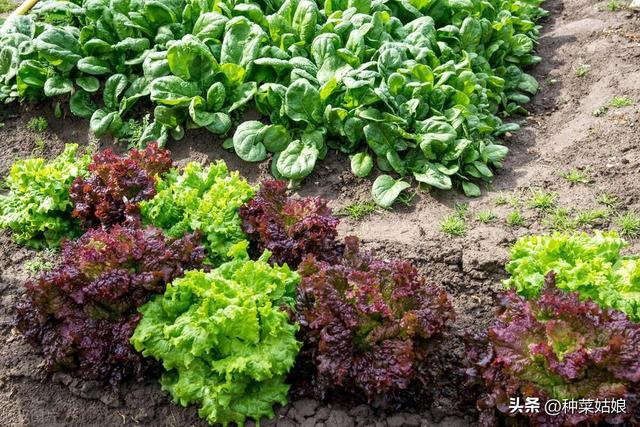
[
  {"x": 486, "y": 217},
  {"x": 37, "y": 207},
  {"x": 40, "y": 144},
  {"x": 620, "y": 101},
  {"x": 416, "y": 88},
  {"x": 453, "y": 225},
  {"x": 199, "y": 198},
  {"x": 609, "y": 200},
  {"x": 222, "y": 338},
  {"x": 41, "y": 262},
  {"x": 38, "y": 124},
  {"x": 560, "y": 219},
  {"x": 590, "y": 265},
  {"x": 461, "y": 209},
  {"x": 628, "y": 225},
  {"x": 576, "y": 176},
  {"x": 359, "y": 210},
  {"x": 500, "y": 200},
  {"x": 515, "y": 218},
  {"x": 542, "y": 200},
  {"x": 7, "y": 6},
  {"x": 592, "y": 217},
  {"x": 582, "y": 70},
  {"x": 613, "y": 5}
]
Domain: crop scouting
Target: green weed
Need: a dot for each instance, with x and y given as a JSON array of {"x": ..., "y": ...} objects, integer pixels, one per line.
[
  {"x": 628, "y": 225},
  {"x": 486, "y": 217},
  {"x": 575, "y": 176},
  {"x": 453, "y": 225},
  {"x": 359, "y": 210},
  {"x": 515, "y": 218},
  {"x": 542, "y": 200},
  {"x": 38, "y": 124}
]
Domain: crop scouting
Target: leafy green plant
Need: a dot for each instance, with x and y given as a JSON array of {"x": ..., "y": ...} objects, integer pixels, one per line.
[
  {"x": 222, "y": 338},
  {"x": 620, "y": 101},
  {"x": 582, "y": 70},
  {"x": 417, "y": 90},
  {"x": 613, "y": 5},
  {"x": 199, "y": 198},
  {"x": 575, "y": 176},
  {"x": 628, "y": 224},
  {"x": 486, "y": 217},
  {"x": 542, "y": 200},
  {"x": 515, "y": 218},
  {"x": 38, "y": 124},
  {"x": 358, "y": 211},
  {"x": 453, "y": 225},
  {"x": 37, "y": 207},
  {"x": 591, "y": 265}
]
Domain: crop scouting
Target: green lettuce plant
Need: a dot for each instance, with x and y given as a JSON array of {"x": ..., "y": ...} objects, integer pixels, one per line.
[
  {"x": 37, "y": 207},
  {"x": 592, "y": 265},
  {"x": 224, "y": 338},
  {"x": 200, "y": 198}
]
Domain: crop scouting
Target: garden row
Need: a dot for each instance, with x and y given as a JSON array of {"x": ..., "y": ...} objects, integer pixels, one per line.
[
  {"x": 234, "y": 291},
  {"x": 414, "y": 87}
]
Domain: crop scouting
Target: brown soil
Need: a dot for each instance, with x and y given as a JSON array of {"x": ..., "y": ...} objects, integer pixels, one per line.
[{"x": 560, "y": 134}]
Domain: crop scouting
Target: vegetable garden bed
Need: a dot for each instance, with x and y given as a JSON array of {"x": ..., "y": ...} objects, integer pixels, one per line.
[{"x": 570, "y": 168}]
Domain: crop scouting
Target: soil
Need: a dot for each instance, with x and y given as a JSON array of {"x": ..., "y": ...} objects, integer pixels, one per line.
[{"x": 559, "y": 135}]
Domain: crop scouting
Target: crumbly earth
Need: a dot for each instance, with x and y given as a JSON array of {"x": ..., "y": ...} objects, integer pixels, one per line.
[{"x": 560, "y": 134}]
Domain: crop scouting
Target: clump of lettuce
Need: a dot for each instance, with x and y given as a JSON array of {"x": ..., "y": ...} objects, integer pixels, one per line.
[
  {"x": 290, "y": 228},
  {"x": 37, "y": 207},
  {"x": 116, "y": 184},
  {"x": 556, "y": 347},
  {"x": 416, "y": 89},
  {"x": 369, "y": 326},
  {"x": 224, "y": 338},
  {"x": 82, "y": 313},
  {"x": 591, "y": 265},
  {"x": 200, "y": 198}
]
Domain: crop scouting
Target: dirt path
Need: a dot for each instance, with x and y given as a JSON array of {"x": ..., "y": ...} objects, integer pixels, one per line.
[{"x": 560, "y": 135}]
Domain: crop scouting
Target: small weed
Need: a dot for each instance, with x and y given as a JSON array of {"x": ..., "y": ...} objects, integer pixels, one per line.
[
  {"x": 613, "y": 5},
  {"x": 486, "y": 217},
  {"x": 461, "y": 209},
  {"x": 591, "y": 217},
  {"x": 628, "y": 225},
  {"x": 609, "y": 200},
  {"x": 359, "y": 210},
  {"x": 542, "y": 200},
  {"x": 1, "y": 125},
  {"x": 406, "y": 197},
  {"x": 515, "y": 219},
  {"x": 500, "y": 200},
  {"x": 515, "y": 201},
  {"x": 38, "y": 124},
  {"x": 40, "y": 262},
  {"x": 620, "y": 101},
  {"x": 40, "y": 144},
  {"x": 550, "y": 81},
  {"x": 582, "y": 70},
  {"x": 453, "y": 225},
  {"x": 575, "y": 176},
  {"x": 600, "y": 111},
  {"x": 560, "y": 220}
]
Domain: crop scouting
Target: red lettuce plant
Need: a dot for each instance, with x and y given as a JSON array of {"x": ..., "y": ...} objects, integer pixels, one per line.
[
  {"x": 83, "y": 313},
  {"x": 291, "y": 228},
  {"x": 367, "y": 323},
  {"x": 556, "y": 347},
  {"x": 115, "y": 185}
]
